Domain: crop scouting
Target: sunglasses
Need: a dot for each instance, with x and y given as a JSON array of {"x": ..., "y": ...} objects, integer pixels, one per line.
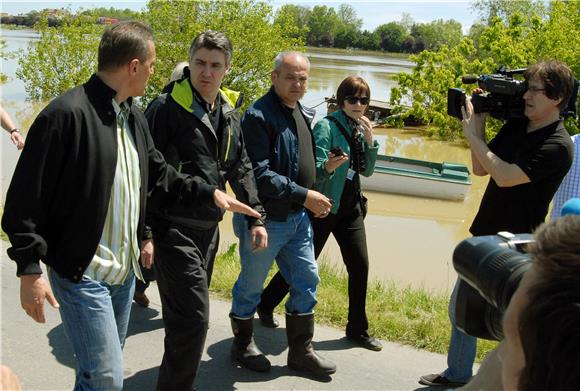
[{"x": 364, "y": 100}]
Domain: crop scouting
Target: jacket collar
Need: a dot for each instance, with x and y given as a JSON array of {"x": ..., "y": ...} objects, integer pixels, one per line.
[
  {"x": 307, "y": 112},
  {"x": 105, "y": 94}
]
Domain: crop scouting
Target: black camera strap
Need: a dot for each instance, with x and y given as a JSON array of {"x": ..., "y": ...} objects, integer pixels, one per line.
[{"x": 348, "y": 137}]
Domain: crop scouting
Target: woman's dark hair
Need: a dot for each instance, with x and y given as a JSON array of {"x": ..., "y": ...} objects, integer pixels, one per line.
[
  {"x": 549, "y": 327},
  {"x": 351, "y": 86},
  {"x": 123, "y": 42},
  {"x": 557, "y": 78}
]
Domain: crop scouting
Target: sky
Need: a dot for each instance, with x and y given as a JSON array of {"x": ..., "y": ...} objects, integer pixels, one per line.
[{"x": 373, "y": 13}]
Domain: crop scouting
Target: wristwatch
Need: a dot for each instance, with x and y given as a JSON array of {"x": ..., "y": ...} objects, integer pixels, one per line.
[{"x": 14, "y": 130}]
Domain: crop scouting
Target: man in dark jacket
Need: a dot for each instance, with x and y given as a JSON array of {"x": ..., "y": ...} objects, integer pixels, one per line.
[
  {"x": 196, "y": 125},
  {"x": 281, "y": 147},
  {"x": 77, "y": 202}
]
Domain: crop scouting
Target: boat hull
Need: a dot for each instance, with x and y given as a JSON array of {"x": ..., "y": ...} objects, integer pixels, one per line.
[{"x": 448, "y": 181}]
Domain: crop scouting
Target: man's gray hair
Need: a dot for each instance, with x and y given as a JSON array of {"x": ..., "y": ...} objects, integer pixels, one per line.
[
  {"x": 282, "y": 55},
  {"x": 211, "y": 40}
]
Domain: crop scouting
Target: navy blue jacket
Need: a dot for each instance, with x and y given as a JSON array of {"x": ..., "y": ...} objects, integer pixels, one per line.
[{"x": 272, "y": 145}]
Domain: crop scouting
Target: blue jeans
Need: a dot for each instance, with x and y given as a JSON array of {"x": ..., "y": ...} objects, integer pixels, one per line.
[
  {"x": 95, "y": 316},
  {"x": 290, "y": 243},
  {"x": 462, "y": 348}
]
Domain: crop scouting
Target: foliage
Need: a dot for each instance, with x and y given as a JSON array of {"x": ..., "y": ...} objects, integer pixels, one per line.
[
  {"x": 435, "y": 34},
  {"x": 66, "y": 56},
  {"x": 256, "y": 40},
  {"x": 322, "y": 23},
  {"x": 293, "y": 19},
  {"x": 62, "y": 58},
  {"x": 4, "y": 55},
  {"x": 392, "y": 36},
  {"x": 505, "y": 9},
  {"x": 121, "y": 14},
  {"x": 518, "y": 43}
]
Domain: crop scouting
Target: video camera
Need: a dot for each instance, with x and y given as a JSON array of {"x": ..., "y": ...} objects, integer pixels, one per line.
[
  {"x": 491, "y": 268},
  {"x": 503, "y": 98}
]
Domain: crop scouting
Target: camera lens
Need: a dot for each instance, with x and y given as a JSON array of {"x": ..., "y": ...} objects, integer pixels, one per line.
[{"x": 492, "y": 269}]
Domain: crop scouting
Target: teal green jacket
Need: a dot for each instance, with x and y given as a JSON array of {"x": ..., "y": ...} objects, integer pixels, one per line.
[{"x": 327, "y": 136}]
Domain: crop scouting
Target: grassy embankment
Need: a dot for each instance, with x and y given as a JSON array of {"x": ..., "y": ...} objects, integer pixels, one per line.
[{"x": 407, "y": 315}]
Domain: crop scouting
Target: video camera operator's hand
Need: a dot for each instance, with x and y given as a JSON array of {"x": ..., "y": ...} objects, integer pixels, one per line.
[{"x": 473, "y": 123}]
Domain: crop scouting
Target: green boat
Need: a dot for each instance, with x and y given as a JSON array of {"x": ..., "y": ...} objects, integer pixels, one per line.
[{"x": 420, "y": 178}]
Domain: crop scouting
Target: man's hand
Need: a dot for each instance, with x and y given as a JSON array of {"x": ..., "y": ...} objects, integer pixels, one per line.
[
  {"x": 33, "y": 291},
  {"x": 473, "y": 124},
  {"x": 334, "y": 162},
  {"x": 17, "y": 140},
  {"x": 224, "y": 201},
  {"x": 317, "y": 203},
  {"x": 147, "y": 253},
  {"x": 259, "y": 238}
]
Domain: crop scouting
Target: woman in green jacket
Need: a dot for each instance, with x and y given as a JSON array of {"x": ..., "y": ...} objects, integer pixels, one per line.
[
  {"x": 338, "y": 177},
  {"x": 348, "y": 133}
]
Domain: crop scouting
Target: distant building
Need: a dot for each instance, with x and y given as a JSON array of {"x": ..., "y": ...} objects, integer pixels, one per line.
[{"x": 107, "y": 20}]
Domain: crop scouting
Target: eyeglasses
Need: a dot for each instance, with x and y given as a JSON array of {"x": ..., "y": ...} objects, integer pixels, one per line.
[
  {"x": 364, "y": 100},
  {"x": 534, "y": 90}
]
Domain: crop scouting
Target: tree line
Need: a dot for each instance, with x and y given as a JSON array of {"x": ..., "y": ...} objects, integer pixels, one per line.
[{"x": 325, "y": 26}]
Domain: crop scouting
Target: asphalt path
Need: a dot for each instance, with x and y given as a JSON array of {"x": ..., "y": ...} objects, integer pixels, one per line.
[{"x": 40, "y": 354}]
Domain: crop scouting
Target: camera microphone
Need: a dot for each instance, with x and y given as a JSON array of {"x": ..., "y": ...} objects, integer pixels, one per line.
[{"x": 469, "y": 79}]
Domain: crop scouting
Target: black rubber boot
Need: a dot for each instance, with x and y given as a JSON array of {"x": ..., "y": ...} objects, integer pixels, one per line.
[
  {"x": 301, "y": 354},
  {"x": 244, "y": 351}
]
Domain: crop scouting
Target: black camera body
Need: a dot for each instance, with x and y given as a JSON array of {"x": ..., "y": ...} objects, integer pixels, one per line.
[
  {"x": 490, "y": 270},
  {"x": 503, "y": 98}
]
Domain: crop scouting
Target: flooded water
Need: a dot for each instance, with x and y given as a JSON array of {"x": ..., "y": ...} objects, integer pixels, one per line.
[{"x": 410, "y": 239}]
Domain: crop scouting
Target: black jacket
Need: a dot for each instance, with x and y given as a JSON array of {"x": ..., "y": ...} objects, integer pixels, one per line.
[
  {"x": 59, "y": 194},
  {"x": 272, "y": 144},
  {"x": 183, "y": 132}
]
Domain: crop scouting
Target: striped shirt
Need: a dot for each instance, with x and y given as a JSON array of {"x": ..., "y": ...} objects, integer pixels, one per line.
[
  {"x": 118, "y": 249},
  {"x": 570, "y": 186}
]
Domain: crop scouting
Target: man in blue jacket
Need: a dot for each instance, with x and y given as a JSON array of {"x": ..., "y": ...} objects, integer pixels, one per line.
[
  {"x": 281, "y": 147},
  {"x": 77, "y": 202}
]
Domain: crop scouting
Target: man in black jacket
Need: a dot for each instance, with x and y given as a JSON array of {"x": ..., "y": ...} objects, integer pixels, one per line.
[
  {"x": 196, "y": 125},
  {"x": 77, "y": 202}
]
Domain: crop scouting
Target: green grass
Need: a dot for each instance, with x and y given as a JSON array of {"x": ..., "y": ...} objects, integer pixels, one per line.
[{"x": 406, "y": 315}]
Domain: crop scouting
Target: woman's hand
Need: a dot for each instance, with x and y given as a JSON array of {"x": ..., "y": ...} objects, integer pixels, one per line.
[
  {"x": 334, "y": 161},
  {"x": 367, "y": 128}
]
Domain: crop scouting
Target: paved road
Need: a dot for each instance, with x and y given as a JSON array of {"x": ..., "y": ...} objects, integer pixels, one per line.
[{"x": 40, "y": 355}]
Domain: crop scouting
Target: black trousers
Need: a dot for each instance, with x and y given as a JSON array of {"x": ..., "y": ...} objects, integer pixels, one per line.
[
  {"x": 183, "y": 264},
  {"x": 348, "y": 229}
]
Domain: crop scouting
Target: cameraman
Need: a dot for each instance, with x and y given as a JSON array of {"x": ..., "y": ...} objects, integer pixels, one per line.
[{"x": 527, "y": 160}]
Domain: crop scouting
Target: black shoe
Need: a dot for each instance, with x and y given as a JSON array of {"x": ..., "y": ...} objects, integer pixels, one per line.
[
  {"x": 267, "y": 319},
  {"x": 438, "y": 380},
  {"x": 141, "y": 299},
  {"x": 366, "y": 341}
]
